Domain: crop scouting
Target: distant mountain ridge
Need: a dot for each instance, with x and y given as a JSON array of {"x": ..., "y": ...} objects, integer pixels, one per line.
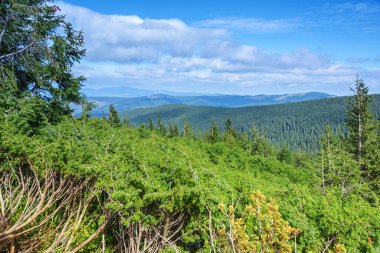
[
  {"x": 231, "y": 101},
  {"x": 300, "y": 125},
  {"x": 126, "y": 91}
]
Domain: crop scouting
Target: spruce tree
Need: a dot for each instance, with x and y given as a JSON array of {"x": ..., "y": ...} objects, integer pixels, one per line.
[
  {"x": 187, "y": 129},
  {"x": 259, "y": 144},
  {"x": 175, "y": 130},
  {"x": 150, "y": 124},
  {"x": 284, "y": 155},
  {"x": 160, "y": 124},
  {"x": 229, "y": 132},
  {"x": 212, "y": 135},
  {"x": 114, "y": 116},
  {"x": 362, "y": 127},
  {"x": 38, "y": 49}
]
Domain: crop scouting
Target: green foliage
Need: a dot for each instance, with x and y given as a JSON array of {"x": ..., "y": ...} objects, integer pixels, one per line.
[
  {"x": 337, "y": 166},
  {"x": 259, "y": 144},
  {"x": 160, "y": 124},
  {"x": 37, "y": 51},
  {"x": 284, "y": 154},
  {"x": 149, "y": 177},
  {"x": 173, "y": 130},
  {"x": 113, "y": 117},
  {"x": 360, "y": 122},
  {"x": 299, "y": 125},
  {"x": 187, "y": 129},
  {"x": 351, "y": 163},
  {"x": 212, "y": 135},
  {"x": 229, "y": 132},
  {"x": 150, "y": 124},
  {"x": 363, "y": 135}
]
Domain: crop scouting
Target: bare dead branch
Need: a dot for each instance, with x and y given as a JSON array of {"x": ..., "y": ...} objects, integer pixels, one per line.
[{"x": 34, "y": 203}]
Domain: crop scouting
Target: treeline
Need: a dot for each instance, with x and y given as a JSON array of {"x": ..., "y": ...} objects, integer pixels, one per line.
[
  {"x": 229, "y": 135},
  {"x": 298, "y": 125}
]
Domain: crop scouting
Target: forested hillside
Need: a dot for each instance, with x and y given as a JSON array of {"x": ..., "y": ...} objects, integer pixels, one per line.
[{"x": 299, "y": 125}]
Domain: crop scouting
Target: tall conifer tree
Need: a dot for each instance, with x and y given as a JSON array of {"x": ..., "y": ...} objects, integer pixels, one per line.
[
  {"x": 361, "y": 126},
  {"x": 363, "y": 139}
]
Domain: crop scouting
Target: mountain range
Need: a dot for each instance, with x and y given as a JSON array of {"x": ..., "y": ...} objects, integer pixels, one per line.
[
  {"x": 125, "y": 91},
  {"x": 128, "y": 103}
]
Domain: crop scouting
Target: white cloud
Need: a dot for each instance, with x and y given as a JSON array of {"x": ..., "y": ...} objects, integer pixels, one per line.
[
  {"x": 132, "y": 39},
  {"x": 134, "y": 51}
]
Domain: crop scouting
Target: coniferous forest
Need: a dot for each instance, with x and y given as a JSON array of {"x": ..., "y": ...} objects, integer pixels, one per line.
[
  {"x": 298, "y": 125},
  {"x": 82, "y": 184}
]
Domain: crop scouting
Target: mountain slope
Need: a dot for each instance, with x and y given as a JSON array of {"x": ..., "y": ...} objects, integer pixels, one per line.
[
  {"x": 204, "y": 100},
  {"x": 298, "y": 124}
]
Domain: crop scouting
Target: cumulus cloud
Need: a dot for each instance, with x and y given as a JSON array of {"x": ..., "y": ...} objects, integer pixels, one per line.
[
  {"x": 132, "y": 50},
  {"x": 132, "y": 39}
]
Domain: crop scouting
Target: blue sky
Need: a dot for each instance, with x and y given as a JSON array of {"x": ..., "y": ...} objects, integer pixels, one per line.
[{"x": 233, "y": 47}]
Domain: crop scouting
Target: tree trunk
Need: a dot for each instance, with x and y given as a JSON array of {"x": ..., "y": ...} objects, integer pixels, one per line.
[{"x": 165, "y": 233}]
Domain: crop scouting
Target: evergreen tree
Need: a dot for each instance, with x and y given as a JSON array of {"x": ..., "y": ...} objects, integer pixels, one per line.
[
  {"x": 212, "y": 135},
  {"x": 173, "y": 130},
  {"x": 228, "y": 128},
  {"x": 229, "y": 132},
  {"x": 160, "y": 124},
  {"x": 37, "y": 52},
  {"x": 150, "y": 124},
  {"x": 284, "y": 155},
  {"x": 362, "y": 129},
  {"x": 259, "y": 144},
  {"x": 114, "y": 116},
  {"x": 187, "y": 129}
]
